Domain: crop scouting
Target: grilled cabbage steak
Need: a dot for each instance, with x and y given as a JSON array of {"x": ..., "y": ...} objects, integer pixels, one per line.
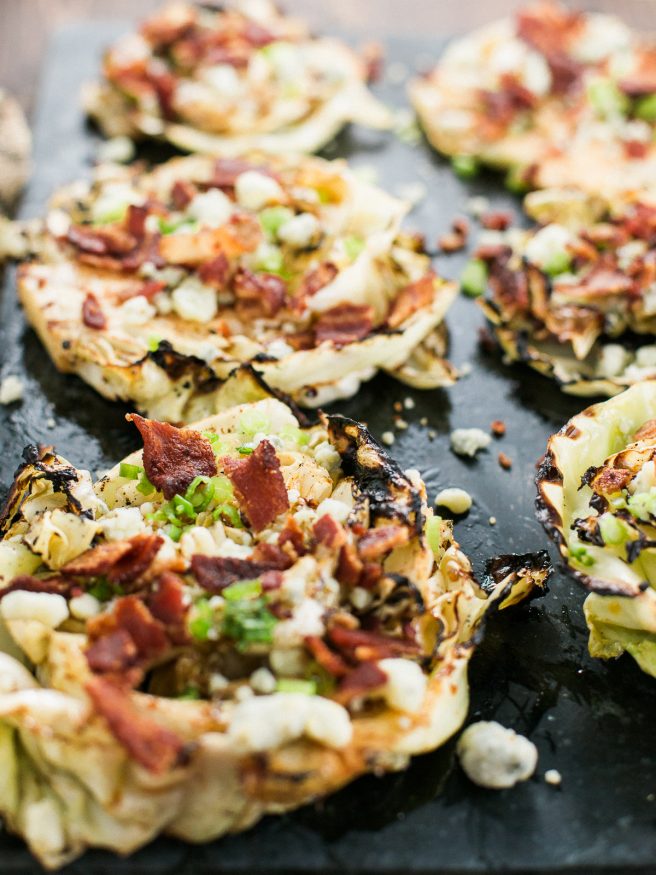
[
  {"x": 225, "y": 80},
  {"x": 597, "y": 501},
  {"x": 154, "y": 286},
  {"x": 556, "y": 97},
  {"x": 575, "y": 298},
  {"x": 236, "y": 620}
]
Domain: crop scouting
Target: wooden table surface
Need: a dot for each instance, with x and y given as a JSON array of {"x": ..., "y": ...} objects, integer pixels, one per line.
[{"x": 25, "y": 25}]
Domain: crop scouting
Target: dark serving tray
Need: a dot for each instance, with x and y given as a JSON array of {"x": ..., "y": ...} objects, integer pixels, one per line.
[{"x": 593, "y": 722}]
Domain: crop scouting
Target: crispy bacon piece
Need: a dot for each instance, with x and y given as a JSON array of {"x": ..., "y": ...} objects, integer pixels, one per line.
[
  {"x": 636, "y": 149},
  {"x": 504, "y": 461},
  {"x": 182, "y": 193},
  {"x": 329, "y": 660},
  {"x": 226, "y": 171},
  {"x": 329, "y": 532},
  {"x": 349, "y": 565},
  {"x": 344, "y": 324},
  {"x": 646, "y": 432},
  {"x": 496, "y": 220},
  {"x": 363, "y": 645},
  {"x": 27, "y": 583},
  {"x": 410, "y": 299},
  {"x": 259, "y": 485},
  {"x": 377, "y": 542},
  {"x": 154, "y": 747},
  {"x": 291, "y": 539},
  {"x": 215, "y": 272},
  {"x": 317, "y": 278},
  {"x": 271, "y": 580},
  {"x": 146, "y": 290},
  {"x": 120, "y": 561},
  {"x": 259, "y": 293},
  {"x": 173, "y": 456},
  {"x": 498, "y": 427},
  {"x": 215, "y": 573},
  {"x": 114, "y": 653},
  {"x": 359, "y": 681},
  {"x": 271, "y": 555},
  {"x": 128, "y": 637},
  {"x": 92, "y": 314},
  {"x": 168, "y": 603},
  {"x": 135, "y": 221}
]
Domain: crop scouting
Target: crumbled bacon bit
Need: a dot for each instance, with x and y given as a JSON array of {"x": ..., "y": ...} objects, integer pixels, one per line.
[
  {"x": 129, "y": 637},
  {"x": 291, "y": 538},
  {"x": 173, "y": 456},
  {"x": 271, "y": 555},
  {"x": 168, "y": 603},
  {"x": 548, "y": 28},
  {"x": 215, "y": 272},
  {"x": 92, "y": 314},
  {"x": 359, "y": 681},
  {"x": 153, "y": 746},
  {"x": 496, "y": 220},
  {"x": 182, "y": 193},
  {"x": 413, "y": 297},
  {"x": 364, "y": 645},
  {"x": 259, "y": 293},
  {"x": 498, "y": 428},
  {"x": 259, "y": 485},
  {"x": 329, "y": 660},
  {"x": 504, "y": 461},
  {"x": 226, "y": 171},
  {"x": 315, "y": 279},
  {"x": 377, "y": 542},
  {"x": 120, "y": 561},
  {"x": 114, "y": 653},
  {"x": 329, "y": 532},
  {"x": 349, "y": 565},
  {"x": 646, "y": 432},
  {"x": 215, "y": 573},
  {"x": 346, "y": 323},
  {"x": 636, "y": 149},
  {"x": 27, "y": 583},
  {"x": 136, "y": 221}
]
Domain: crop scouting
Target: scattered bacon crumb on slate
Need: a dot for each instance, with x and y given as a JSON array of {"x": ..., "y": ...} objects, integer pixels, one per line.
[
  {"x": 259, "y": 485},
  {"x": 154, "y": 747},
  {"x": 498, "y": 428},
  {"x": 27, "y": 583},
  {"x": 329, "y": 532},
  {"x": 329, "y": 660},
  {"x": 410, "y": 299},
  {"x": 173, "y": 456},
  {"x": 119, "y": 561},
  {"x": 646, "y": 432},
  {"x": 505, "y": 461},
  {"x": 262, "y": 293},
  {"x": 359, "y": 681},
  {"x": 377, "y": 542},
  {"x": 92, "y": 314},
  {"x": 344, "y": 324},
  {"x": 456, "y": 239},
  {"x": 496, "y": 220}
]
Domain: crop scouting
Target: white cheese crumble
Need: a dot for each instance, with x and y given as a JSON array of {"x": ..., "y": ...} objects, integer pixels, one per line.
[
  {"x": 301, "y": 231},
  {"x": 84, "y": 606},
  {"x": 224, "y": 79},
  {"x": 547, "y": 244},
  {"x": 194, "y": 301},
  {"x": 137, "y": 311},
  {"x": 268, "y": 722},
  {"x": 118, "y": 150},
  {"x": 122, "y": 523},
  {"x": 405, "y": 689},
  {"x": 279, "y": 348},
  {"x": 263, "y": 681},
  {"x": 336, "y": 509},
  {"x": 553, "y": 777},
  {"x": 11, "y": 390},
  {"x": 613, "y": 360},
  {"x": 327, "y": 456},
  {"x": 495, "y": 757},
  {"x": 211, "y": 208},
  {"x": 306, "y": 620},
  {"x": 388, "y": 438},
  {"x": 255, "y": 190},
  {"x": 468, "y": 441},
  {"x": 454, "y": 499},
  {"x": 48, "y": 608}
]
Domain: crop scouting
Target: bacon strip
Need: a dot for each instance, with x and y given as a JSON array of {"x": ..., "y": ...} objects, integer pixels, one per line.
[
  {"x": 173, "y": 456},
  {"x": 215, "y": 272},
  {"x": 359, "y": 681},
  {"x": 120, "y": 561},
  {"x": 215, "y": 573},
  {"x": 259, "y": 485},
  {"x": 27, "y": 583},
  {"x": 646, "y": 432},
  {"x": 329, "y": 532},
  {"x": 377, "y": 542},
  {"x": 413, "y": 297},
  {"x": 262, "y": 293},
  {"x": 363, "y": 645},
  {"x": 226, "y": 171},
  {"x": 344, "y": 324},
  {"x": 349, "y": 565},
  {"x": 154, "y": 747},
  {"x": 329, "y": 660},
  {"x": 168, "y": 603}
]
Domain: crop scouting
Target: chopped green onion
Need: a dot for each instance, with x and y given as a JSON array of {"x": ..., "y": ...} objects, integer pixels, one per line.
[
  {"x": 248, "y": 621},
  {"x": 559, "y": 262},
  {"x": 231, "y": 514},
  {"x": 254, "y": 422},
  {"x": 168, "y": 226},
  {"x": 294, "y": 685},
  {"x": 110, "y": 216},
  {"x": 242, "y": 589},
  {"x": 174, "y": 532},
  {"x": 144, "y": 486},
  {"x": 191, "y": 693},
  {"x": 269, "y": 259},
  {"x": 202, "y": 620},
  {"x": 102, "y": 590},
  {"x": 433, "y": 530},
  {"x": 353, "y": 246},
  {"x": 273, "y": 218},
  {"x": 293, "y": 435},
  {"x": 642, "y": 505},
  {"x": 183, "y": 507},
  {"x": 200, "y": 498},
  {"x": 223, "y": 490},
  {"x": 516, "y": 181},
  {"x": 606, "y": 98},
  {"x": 245, "y": 451},
  {"x": 645, "y": 108},
  {"x": 473, "y": 280},
  {"x": 581, "y": 555},
  {"x": 153, "y": 343},
  {"x": 465, "y": 166},
  {"x": 130, "y": 472}
]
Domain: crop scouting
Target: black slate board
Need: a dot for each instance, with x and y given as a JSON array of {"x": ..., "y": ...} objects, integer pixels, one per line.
[{"x": 593, "y": 722}]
